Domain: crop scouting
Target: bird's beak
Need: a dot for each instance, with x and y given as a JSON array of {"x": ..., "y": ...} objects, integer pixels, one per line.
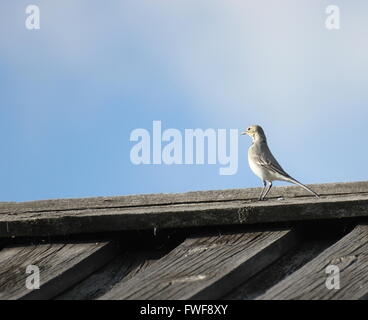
[{"x": 244, "y": 132}]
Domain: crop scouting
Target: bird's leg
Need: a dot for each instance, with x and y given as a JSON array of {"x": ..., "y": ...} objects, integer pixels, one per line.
[
  {"x": 264, "y": 187},
  {"x": 268, "y": 189}
]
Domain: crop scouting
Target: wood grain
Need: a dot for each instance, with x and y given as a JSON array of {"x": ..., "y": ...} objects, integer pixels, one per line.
[
  {"x": 350, "y": 254},
  {"x": 61, "y": 265},
  {"x": 206, "y": 267},
  {"x": 73, "y": 216},
  {"x": 54, "y": 223},
  {"x": 293, "y": 260},
  {"x": 328, "y": 189},
  {"x": 123, "y": 267}
]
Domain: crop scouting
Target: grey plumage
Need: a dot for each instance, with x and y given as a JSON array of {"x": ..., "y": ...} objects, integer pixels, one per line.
[{"x": 263, "y": 163}]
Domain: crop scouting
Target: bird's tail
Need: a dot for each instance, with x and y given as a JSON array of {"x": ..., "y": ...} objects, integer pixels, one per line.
[{"x": 292, "y": 180}]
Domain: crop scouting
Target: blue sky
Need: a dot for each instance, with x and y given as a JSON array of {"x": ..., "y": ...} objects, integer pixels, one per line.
[{"x": 72, "y": 92}]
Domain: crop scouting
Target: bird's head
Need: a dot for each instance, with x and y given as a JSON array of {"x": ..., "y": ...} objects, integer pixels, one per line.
[{"x": 254, "y": 131}]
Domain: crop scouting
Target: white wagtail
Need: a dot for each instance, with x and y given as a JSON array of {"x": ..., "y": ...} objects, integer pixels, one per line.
[{"x": 264, "y": 164}]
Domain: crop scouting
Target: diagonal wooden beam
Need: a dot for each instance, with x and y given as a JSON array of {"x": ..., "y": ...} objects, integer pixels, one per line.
[
  {"x": 61, "y": 265},
  {"x": 350, "y": 255},
  {"x": 131, "y": 261},
  {"x": 206, "y": 267}
]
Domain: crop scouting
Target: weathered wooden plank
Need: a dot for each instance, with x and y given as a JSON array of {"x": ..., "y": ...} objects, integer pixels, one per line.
[
  {"x": 61, "y": 265},
  {"x": 122, "y": 268},
  {"x": 206, "y": 267},
  {"x": 61, "y": 222},
  {"x": 350, "y": 254},
  {"x": 341, "y": 188},
  {"x": 280, "y": 269},
  {"x": 139, "y": 251}
]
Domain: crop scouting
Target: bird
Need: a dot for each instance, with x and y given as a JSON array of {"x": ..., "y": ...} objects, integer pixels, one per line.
[{"x": 263, "y": 163}]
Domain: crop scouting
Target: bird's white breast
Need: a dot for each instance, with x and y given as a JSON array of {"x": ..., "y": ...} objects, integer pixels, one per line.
[{"x": 257, "y": 169}]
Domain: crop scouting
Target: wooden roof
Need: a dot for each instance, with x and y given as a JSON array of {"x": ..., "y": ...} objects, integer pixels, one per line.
[{"x": 197, "y": 245}]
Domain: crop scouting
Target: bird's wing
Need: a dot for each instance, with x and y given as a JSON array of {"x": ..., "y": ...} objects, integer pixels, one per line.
[{"x": 266, "y": 159}]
